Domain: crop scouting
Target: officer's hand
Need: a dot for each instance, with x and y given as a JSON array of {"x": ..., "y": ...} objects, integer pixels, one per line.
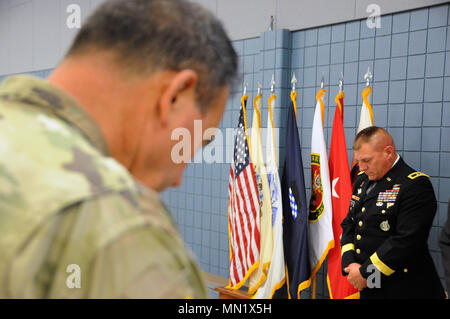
[
  {"x": 351, "y": 266},
  {"x": 354, "y": 276}
]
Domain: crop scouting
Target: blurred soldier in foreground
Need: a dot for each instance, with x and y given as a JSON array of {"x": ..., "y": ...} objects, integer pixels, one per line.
[
  {"x": 85, "y": 153},
  {"x": 386, "y": 230}
]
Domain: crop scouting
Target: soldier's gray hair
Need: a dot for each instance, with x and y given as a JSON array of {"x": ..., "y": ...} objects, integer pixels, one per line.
[{"x": 146, "y": 36}]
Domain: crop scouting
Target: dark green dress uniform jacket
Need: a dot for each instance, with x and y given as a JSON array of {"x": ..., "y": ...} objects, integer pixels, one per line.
[{"x": 388, "y": 228}]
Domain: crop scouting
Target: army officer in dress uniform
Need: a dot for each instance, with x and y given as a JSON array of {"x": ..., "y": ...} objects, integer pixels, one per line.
[{"x": 387, "y": 226}]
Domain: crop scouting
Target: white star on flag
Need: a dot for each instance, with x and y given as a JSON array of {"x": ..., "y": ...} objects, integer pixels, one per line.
[{"x": 333, "y": 188}]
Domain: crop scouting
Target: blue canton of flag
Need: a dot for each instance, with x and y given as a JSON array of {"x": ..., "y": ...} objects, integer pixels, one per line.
[{"x": 241, "y": 153}]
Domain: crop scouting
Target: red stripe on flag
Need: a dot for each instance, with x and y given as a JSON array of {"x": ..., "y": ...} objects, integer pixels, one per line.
[
  {"x": 240, "y": 238},
  {"x": 255, "y": 203},
  {"x": 247, "y": 225},
  {"x": 250, "y": 191}
]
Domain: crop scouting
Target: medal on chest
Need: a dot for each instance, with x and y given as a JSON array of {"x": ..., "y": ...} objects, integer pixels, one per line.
[
  {"x": 388, "y": 196},
  {"x": 384, "y": 226}
]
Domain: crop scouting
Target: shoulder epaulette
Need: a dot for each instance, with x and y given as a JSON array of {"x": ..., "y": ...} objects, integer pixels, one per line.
[
  {"x": 417, "y": 174},
  {"x": 360, "y": 173}
]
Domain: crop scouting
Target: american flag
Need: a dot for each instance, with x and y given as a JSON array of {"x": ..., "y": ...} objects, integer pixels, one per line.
[{"x": 243, "y": 209}]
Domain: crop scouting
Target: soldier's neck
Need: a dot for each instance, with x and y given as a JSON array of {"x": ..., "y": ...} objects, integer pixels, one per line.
[
  {"x": 98, "y": 88},
  {"x": 397, "y": 158}
]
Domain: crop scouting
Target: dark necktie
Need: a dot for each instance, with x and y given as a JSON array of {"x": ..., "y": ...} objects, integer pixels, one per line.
[{"x": 370, "y": 186}]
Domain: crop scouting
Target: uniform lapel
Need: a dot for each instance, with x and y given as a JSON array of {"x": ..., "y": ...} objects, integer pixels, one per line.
[
  {"x": 358, "y": 197},
  {"x": 381, "y": 185},
  {"x": 385, "y": 183}
]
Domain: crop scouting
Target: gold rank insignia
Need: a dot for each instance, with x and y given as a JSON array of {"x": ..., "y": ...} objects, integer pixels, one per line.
[
  {"x": 385, "y": 225},
  {"x": 359, "y": 191},
  {"x": 416, "y": 174}
]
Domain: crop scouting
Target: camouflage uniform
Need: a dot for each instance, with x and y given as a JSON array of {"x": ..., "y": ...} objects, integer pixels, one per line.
[{"x": 64, "y": 201}]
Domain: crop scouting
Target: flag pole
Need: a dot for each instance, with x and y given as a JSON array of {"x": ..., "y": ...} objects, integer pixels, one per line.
[
  {"x": 340, "y": 96},
  {"x": 366, "y": 92},
  {"x": 244, "y": 99},
  {"x": 319, "y": 97},
  {"x": 269, "y": 102},
  {"x": 365, "y": 119},
  {"x": 255, "y": 101},
  {"x": 368, "y": 76},
  {"x": 294, "y": 93},
  {"x": 314, "y": 288}
]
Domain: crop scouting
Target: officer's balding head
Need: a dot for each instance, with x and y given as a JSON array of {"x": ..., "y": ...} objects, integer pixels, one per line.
[
  {"x": 375, "y": 135},
  {"x": 374, "y": 150}
]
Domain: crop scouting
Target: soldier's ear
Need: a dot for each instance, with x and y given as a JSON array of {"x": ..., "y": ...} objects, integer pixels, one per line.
[
  {"x": 389, "y": 150},
  {"x": 176, "y": 96}
]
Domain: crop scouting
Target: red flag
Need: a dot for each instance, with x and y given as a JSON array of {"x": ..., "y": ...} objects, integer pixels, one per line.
[{"x": 338, "y": 285}]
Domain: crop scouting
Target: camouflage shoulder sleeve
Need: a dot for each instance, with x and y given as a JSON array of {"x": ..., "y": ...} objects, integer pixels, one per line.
[
  {"x": 67, "y": 240},
  {"x": 165, "y": 268},
  {"x": 119, "y": 253},
  {"x": 145, "y": 264},
  {"x": 76, "y": 209}
]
